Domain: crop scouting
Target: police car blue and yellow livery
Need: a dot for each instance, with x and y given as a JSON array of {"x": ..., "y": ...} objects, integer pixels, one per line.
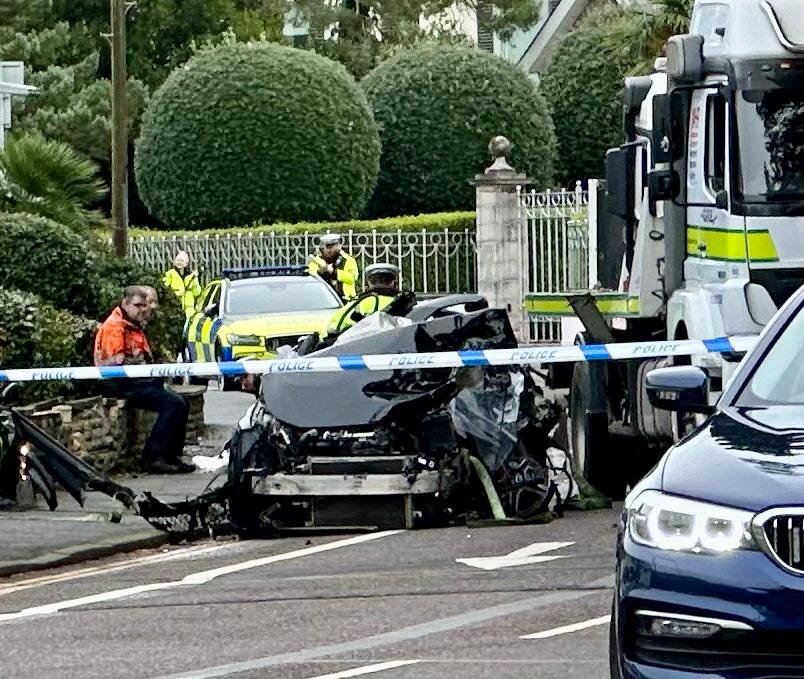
[{"x": 250, "y": 313}]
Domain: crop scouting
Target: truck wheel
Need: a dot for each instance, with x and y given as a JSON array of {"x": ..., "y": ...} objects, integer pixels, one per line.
[{"x": 593, "y": 454}]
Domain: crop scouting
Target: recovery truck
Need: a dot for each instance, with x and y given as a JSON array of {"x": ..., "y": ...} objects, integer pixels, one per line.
[{"x": 708, "y": 195}]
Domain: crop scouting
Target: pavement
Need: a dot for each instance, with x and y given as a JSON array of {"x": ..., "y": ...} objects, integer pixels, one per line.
[
  {"x": 38, "y": 538},
  {"x": 396, "y": 605},
  {"x": 494, "y": 602}
]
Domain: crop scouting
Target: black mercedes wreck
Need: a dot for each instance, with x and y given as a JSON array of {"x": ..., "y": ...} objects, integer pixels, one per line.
[{"x": 410, "y": 447}]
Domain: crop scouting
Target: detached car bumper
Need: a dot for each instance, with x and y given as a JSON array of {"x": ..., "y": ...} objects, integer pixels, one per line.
[{"x": 754, "y": 609}]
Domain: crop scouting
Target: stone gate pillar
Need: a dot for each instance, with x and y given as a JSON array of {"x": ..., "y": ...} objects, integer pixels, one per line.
[{"x": 501, "y": 260}]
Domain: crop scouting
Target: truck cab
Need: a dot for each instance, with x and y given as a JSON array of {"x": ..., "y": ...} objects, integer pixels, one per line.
[{"x": 708, "y": 190}]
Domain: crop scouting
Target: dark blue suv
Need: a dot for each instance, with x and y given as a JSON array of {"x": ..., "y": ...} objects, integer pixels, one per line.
[{"x": 710, "y": 556}]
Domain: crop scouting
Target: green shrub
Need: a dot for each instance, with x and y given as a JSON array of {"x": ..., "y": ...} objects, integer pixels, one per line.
[
  {"x": 437, "y": 107},
  {"x": 80, "y": 275},
  {"x": 453, "y": 221},
  {"x": 37, "y": 334},
  {"x": 583, "y": 87},
  {"x": 48, "y": 259},
  {"x": 256, "y": 132},
  {"x": 34, "y": 334}
]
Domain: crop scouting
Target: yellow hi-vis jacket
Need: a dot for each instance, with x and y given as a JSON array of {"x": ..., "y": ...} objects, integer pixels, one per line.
[
  {"x": 368, "y": 303},
  {"x": 186, "y": 288},
  {"x": 346, "y": 274}
]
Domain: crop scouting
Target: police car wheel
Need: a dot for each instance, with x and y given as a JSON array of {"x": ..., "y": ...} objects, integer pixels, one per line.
[{"x": 225, "y": 383}]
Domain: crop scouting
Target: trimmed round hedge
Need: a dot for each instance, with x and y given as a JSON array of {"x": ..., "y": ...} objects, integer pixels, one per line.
[
  {"x": 583, "y": 87},
  {"x": 437, "y": 107},
  {"x": 256, "y": 132}
]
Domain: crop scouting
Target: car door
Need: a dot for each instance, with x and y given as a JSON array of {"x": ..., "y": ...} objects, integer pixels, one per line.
[{"x": 199, "y": 327}]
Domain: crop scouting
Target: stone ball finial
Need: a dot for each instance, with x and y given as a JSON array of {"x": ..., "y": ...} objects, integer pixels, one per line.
[{"x": 500, "y": 147}]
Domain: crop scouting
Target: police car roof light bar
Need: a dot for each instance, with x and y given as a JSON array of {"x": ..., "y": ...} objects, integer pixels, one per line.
[{"x": 259, "y": 271}]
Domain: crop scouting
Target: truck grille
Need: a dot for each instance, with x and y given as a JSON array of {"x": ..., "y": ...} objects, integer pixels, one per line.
[{"x": 784, "y": 537}]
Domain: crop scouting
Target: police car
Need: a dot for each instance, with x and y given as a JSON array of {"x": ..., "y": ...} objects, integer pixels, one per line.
[{"x": 251, "y": 312}]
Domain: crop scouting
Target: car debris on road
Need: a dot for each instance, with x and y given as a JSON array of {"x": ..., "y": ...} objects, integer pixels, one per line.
[{"x": 409, "y": 447}]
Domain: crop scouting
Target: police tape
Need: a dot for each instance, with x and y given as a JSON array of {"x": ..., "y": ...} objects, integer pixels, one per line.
[{"x": 525, "y": 355}]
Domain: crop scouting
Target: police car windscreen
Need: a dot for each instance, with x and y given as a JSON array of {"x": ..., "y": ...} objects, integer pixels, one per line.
[{"x": 272, "y": 296}]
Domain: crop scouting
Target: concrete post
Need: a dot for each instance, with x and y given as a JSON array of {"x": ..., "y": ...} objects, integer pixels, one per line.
[{"x": 500, "y": 258}]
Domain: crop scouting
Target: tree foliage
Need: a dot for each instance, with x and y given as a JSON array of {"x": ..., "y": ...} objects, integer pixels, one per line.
[
  {"x": 583, "y": 87},
  {"x": 47, "y": 178},
  {"x": 73, "y": 104},
  {"x": 641, "y": 38},
  {"x": 437, "y": 108},
  {"x": 361, "y": 33},
  {"x": 162, "y": 33},
  {"x": 257, "y": 131}
]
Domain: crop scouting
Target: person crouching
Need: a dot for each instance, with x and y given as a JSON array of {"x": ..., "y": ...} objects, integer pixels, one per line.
[{"x": 121, "y": 341}]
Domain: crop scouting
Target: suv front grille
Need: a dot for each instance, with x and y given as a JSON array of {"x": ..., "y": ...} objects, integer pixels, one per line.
[{"x": 782, "y": 536}]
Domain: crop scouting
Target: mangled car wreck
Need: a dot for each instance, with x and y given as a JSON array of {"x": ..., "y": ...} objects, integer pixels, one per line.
[{"x": 416, "y": 446}]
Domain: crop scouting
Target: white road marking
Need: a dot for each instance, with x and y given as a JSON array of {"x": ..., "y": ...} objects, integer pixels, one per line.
[
  {"x": 368, "y": 669},
  {"x": 199, "y": 578},
  {"x": 174, "y": 555},
  {"x": 577, "y": 627},
  {"x": 519, "y": 557}
]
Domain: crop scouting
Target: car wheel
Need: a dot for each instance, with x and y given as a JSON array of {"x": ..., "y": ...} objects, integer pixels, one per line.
[{"x": 225, "y": 383}]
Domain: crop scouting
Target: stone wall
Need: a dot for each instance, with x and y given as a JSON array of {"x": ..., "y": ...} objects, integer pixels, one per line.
[{"x": 105, "y": 432}]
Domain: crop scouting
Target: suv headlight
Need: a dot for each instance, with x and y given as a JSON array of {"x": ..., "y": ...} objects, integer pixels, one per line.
[
  {"x": 674, "y": 523},
  {"x": 250, "y": 340}
]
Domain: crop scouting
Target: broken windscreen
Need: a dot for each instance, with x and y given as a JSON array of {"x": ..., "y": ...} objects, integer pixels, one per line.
[{"x": 771, "y": 141}]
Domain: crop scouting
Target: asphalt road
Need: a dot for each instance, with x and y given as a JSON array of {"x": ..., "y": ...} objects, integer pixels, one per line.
[{"x": 393, "y": 605}]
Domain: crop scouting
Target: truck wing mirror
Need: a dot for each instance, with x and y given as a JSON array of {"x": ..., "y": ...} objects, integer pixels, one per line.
[
  {"x": 662, "y": 138},
  {"x": 620, "y": 182},
  {"x": 663, "y": 185}
]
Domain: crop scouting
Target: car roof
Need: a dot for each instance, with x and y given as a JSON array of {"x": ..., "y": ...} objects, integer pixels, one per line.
[{"x": 263, "y": 279}]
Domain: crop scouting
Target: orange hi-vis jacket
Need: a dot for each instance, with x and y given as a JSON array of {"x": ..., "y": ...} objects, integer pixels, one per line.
[{"x": 118, "y": 335}]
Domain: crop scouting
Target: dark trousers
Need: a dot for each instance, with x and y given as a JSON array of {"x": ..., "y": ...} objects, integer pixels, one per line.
[{"x": 166, "y": 439}]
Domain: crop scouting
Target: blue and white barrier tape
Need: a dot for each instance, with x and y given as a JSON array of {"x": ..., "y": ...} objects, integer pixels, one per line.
[{"x": 533, "y": 355}]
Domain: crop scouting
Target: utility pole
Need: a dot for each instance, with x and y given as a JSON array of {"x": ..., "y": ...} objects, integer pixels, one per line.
[{"x": 119, "y": 129}]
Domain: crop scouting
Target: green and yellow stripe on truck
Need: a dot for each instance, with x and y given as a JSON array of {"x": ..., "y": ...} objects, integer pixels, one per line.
[
  {"x": 731, "y": 245},
  {"x": 610, "y": 305}
]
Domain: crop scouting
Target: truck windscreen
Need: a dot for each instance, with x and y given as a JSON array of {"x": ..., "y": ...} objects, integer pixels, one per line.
[{"x": 771, "y": 140}]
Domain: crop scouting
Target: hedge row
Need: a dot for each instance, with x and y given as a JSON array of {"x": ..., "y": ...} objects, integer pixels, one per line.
[
  {"x": 35, "y": 334},
  {"x": 46, "y": 259},
  {"x": 454, "y": 221}
]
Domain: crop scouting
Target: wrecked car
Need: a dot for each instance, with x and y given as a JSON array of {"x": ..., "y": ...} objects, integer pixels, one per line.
[{"x": 413, "y": 446}]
